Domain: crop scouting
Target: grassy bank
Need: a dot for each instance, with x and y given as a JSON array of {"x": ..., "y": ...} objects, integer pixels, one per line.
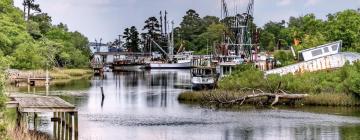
[
  {"x": 339, "y": 87},
  {"x": 69, "y": 73},
  {"x": 15, "y": 133},
  {"x": 54, "y": 74}
]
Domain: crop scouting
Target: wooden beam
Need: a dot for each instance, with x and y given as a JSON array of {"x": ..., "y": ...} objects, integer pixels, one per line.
[
  {"x": 48, "y": 109},
  {"x": 35, "y": 116},
  {"x": 76, "y": 131},
  {"x": 58, "y": 126},
  {"x": 55, "y": 124},
  {"x": 71, "y": 126},
  {"x": 67, "y": 126},
  {"x": 62, "y": 125}
]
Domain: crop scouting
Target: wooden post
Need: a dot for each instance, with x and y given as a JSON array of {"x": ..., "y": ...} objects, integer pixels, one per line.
[
  {"x": 62, "y": 125},
  {"x": 35, "y": 116},
  {"x": 76, "y": 126},
  {"x": 58, "y": 126},
  {"x": 67, "y": 126},
  {"x": 55, "y": 124},
  {"x": 25, "y": 121},
  {"x": 18, "y": 117},
  {"x": 70, "y": 125}
]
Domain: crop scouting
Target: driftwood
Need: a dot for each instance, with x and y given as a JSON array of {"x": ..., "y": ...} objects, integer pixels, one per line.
[{"x": 228, "y": 98}]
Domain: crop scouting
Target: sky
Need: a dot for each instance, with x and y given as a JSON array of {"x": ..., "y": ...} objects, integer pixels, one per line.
[{"x": 108, "y": 18}]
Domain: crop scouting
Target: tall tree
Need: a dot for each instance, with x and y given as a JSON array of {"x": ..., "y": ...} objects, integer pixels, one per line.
[
  {"x": 191, "y": 26},
  {"x": 131, "y": 35},
  {"x": 152, "y": 28},
  {"x": 43, "y": 20},
  {"x": 30, "y": 5},
  {"x": 208, "y": 20},
  {"x": 345, "y": 26}
]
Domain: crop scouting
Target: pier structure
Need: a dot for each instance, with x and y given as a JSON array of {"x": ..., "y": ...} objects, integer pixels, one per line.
[
  {"x": 65, "y": 115},
  {"x": 29, "y": 78}
]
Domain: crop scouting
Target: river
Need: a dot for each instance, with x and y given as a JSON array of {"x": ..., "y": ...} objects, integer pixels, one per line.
[{"x": 144, "y": 106}]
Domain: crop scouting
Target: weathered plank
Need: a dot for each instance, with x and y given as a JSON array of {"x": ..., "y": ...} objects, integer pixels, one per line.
[{"x": 34, "y": 103}]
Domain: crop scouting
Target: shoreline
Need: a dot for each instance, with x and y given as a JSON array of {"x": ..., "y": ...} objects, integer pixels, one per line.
[
  {"x": 56, "y": 75},
  {"x": 321, "y": 99}
]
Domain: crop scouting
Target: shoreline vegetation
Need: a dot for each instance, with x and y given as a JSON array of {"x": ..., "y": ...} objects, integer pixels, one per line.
[
  {"x": 57, "y": 75},
  {"x": 339, "y": 87},
  {"x": 31, "y": 43}
]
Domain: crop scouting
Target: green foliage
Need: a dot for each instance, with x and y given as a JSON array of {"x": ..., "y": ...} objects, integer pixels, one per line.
[
  {"x": 3, "y": 65},
  {"x": 343, "y": 80},
  {"x": 131, "y": 36},
  {"x": 285, "y": 57},
  {"x": 152, "y": 28},
  {"x": 36, "y": 43},
  {"x": 345, "y": 26},
  {"x": 205, "y": 40},
  {"x": 312, "y": 32},
  {"x": 191, "y": 26},
  {"x": 244, "y": 77}
]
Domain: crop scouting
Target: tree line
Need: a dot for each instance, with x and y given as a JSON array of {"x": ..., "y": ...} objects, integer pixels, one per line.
[
  {"x": 195, "y": 33},
  {"x": 28, "y": 40}
]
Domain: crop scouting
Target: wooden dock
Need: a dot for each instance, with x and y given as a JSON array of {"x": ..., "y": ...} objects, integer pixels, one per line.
[{"x": 65, "y": 115}]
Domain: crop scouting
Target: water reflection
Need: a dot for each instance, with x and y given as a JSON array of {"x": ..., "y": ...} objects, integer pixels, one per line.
[{"x": 143, "y": 105}]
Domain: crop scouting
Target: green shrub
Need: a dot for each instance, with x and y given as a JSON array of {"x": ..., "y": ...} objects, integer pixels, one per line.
[{"x": 343, "y": 80}]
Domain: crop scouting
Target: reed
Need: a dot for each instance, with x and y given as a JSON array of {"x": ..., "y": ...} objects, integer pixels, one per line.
[
  {"x": 17, "y": 133},
  {"x": 69, "y": 73},
  {"x": 331, "y": 99},
  {"x": 191, "y": 96}
]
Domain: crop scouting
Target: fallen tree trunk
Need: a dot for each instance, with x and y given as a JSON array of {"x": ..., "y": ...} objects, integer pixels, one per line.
[{"x": 225, "y": 99}]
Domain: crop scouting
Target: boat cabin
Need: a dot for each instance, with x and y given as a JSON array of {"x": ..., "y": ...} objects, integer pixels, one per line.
[{"x": 320, "y": 51}]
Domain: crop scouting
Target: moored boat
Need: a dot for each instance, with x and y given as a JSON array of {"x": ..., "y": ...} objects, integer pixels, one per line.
[
  {"x": 204, "y": 78},
  {"x": 180, "y": 61},
  {"x": 123, "y": 63}
]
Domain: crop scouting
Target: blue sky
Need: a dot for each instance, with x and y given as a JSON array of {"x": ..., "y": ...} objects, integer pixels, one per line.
[{"x": 108, "y": 18}]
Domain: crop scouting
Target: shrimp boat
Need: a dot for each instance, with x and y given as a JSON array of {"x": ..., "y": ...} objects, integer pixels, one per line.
[
  {"x": 204, "y": 75},
  {"x": 180, "y": 61},
  {"x": 124, "y": 63},
  {"x": 204, "y": 78}
]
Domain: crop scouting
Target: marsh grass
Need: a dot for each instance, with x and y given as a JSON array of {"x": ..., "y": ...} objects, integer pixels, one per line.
[
  {"x": 18, "y": 133},
  {"x": 332, "y": 99},
  {"x": 69, "y": 73}
]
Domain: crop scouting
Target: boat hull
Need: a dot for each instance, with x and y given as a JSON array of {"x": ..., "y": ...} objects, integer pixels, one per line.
[
  {"x": 202, "y": 83},
  {"x": 170, "y": 66},
  {"x": 128, "y": 67},
  {"x": 203, "y": 86}
]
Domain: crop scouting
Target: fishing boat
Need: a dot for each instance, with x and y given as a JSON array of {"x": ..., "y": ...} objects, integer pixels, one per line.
[
  {"x": 180, "y": 61},
  {"x": 124, "y": 63},
  {"x": 204, "y": 78}
]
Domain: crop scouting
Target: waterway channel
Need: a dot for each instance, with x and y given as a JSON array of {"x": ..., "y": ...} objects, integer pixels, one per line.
[{"x": 144, "y": 106}]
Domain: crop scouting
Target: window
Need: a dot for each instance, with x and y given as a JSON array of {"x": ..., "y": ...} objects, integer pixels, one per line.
[
  {"x": 326, "y": 49},
  {"x": 334, "y": 47},
  {"x": 317, "y": 52}
]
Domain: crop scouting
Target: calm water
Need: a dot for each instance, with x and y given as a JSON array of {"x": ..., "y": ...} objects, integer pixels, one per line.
[{"x": 144, "y": 106}]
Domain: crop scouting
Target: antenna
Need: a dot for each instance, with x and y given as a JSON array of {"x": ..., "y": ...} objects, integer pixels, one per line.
[
  {"x": 161, "y": 23},
  {"x": 165, "y": 22},
  {"x": 224, "y": 9}
]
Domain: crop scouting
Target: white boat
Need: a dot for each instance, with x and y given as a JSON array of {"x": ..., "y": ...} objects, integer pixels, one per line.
[
  {"x": 170, "y": 65},
  {"x": 181, "y": 61},
  {"x": 124, "y": 63},
  {"x": 203, "y": 78},
  {"x": 129, "y": 67}
]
